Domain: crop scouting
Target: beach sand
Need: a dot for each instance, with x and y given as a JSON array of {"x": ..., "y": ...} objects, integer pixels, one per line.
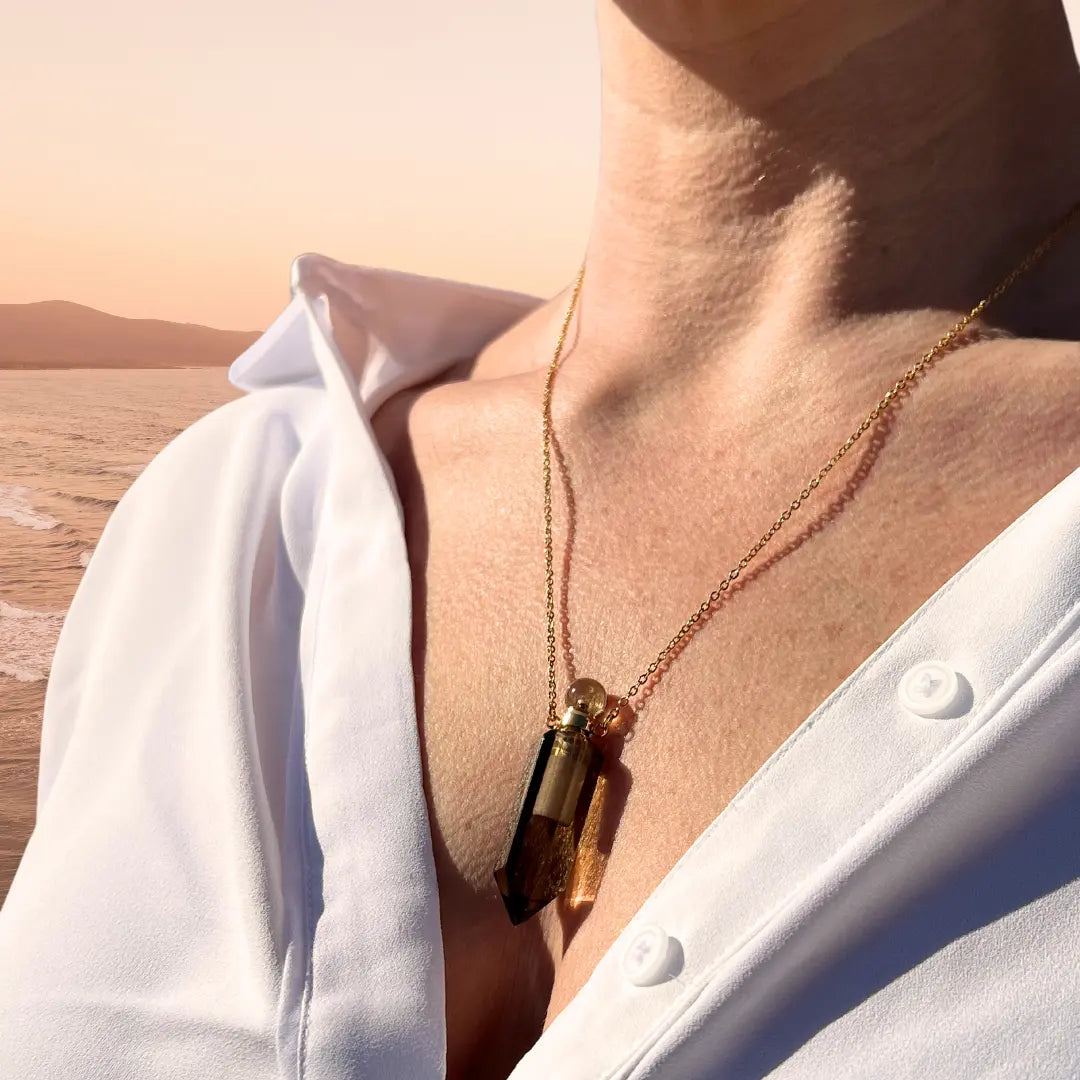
[{"x": 71, "y": 442}]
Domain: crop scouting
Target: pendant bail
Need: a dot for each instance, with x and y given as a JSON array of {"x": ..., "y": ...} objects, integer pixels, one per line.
[{"x": 575, "y": 718}]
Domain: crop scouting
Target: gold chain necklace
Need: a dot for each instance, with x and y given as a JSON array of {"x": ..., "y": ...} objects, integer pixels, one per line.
[{"x": 557, "y": 789}]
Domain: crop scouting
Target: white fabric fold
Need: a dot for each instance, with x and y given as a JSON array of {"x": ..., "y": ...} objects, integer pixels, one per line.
[{"x": 231, "y": 872}]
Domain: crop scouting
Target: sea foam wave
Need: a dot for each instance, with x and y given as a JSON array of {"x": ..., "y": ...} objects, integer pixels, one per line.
[
  {"x": 15, "y": 505},
  {"x": 124, "y": 470},
  {"x": 27, "y": 641},
  {"x": 87, "y": 500}
]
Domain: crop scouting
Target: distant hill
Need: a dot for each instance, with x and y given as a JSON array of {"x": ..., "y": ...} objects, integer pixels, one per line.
[{"x": 60, "y": 334}]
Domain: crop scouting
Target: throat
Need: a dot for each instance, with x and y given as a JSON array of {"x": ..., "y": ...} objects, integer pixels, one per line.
[{"x": 883, "y": 177}]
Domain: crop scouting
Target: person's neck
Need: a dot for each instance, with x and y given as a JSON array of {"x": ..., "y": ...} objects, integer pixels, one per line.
[{"x": 772, "y": 171}]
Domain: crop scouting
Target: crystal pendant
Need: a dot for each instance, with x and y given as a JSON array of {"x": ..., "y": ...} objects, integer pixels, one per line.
[{"x": 552, "y": 806}]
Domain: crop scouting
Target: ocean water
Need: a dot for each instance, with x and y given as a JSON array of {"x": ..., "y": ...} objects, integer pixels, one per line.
[{"x": 70, "y": 444}]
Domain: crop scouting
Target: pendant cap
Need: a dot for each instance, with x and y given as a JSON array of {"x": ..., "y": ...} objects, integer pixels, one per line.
[{"x": 587, "y": 696}]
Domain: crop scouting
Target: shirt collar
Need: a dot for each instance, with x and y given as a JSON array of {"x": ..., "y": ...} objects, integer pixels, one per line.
[{"x": 386, "y": 328}]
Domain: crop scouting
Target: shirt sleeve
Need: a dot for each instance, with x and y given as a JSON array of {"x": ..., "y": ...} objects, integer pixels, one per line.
[{"x": 150, "y": 925}]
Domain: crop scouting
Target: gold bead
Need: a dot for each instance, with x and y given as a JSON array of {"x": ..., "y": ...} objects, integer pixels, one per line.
[{"x": 588, "y": 696}]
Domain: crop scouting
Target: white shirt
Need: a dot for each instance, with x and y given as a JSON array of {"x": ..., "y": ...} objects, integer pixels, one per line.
[{"x": 232, "y": 875}]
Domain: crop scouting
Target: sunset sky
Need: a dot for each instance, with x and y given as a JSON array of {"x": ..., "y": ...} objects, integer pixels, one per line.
[{"x": 170, "y": 162}]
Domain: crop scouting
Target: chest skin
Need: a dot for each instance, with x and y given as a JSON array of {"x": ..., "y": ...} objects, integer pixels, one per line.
[{"x": 902, "y": 513}]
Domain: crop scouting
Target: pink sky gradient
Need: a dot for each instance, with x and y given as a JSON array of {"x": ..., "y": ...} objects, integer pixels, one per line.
[{"x": 170, "y": 163}]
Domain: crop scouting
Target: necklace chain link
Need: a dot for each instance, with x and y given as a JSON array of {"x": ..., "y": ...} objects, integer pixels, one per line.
[{"x": 909, "y": 376}]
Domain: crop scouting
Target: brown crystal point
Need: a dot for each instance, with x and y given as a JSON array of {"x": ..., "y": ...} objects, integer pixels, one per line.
[
  {"x": 540, "y": 848},
  {"x": 590, "y": 860}
]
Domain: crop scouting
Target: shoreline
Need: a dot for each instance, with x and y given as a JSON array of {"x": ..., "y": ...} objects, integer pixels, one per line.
[{"x": 72, "y": 441}]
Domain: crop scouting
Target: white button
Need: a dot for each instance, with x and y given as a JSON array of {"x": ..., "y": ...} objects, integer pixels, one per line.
[
  {"x": 651, "y": 956},
  {"x": 930, "y": 688}
]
